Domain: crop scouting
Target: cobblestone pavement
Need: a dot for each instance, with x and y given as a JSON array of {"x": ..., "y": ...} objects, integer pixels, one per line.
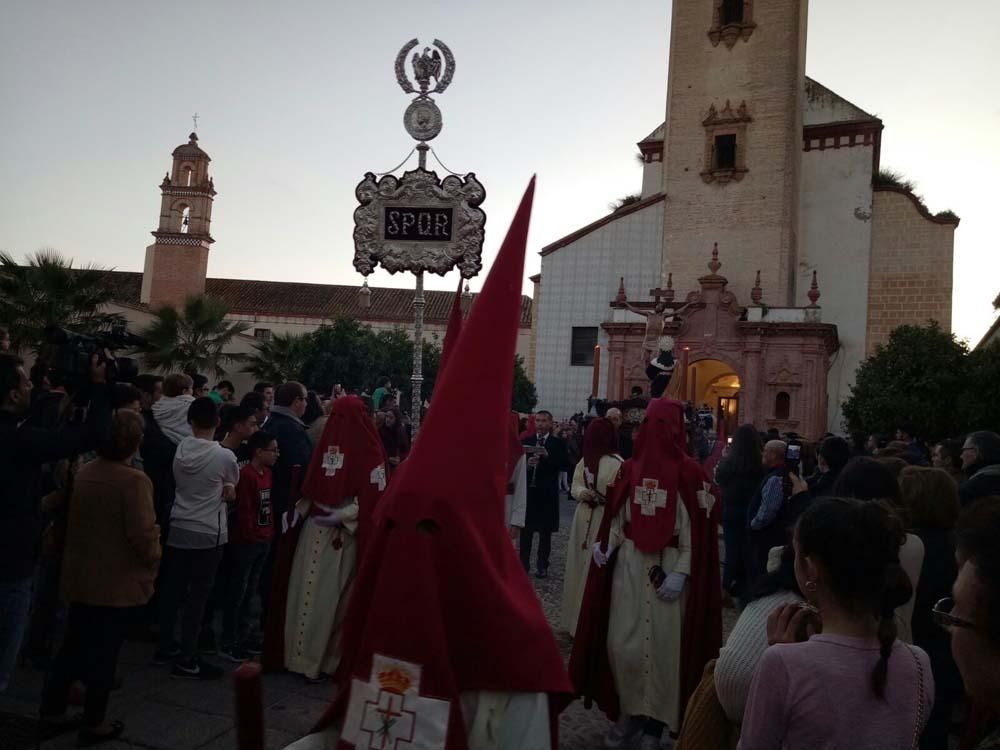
[{"x": 166, "y": 714}]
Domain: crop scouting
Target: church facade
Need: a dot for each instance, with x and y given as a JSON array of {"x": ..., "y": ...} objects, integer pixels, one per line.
[{"x": 783, "y": 175}]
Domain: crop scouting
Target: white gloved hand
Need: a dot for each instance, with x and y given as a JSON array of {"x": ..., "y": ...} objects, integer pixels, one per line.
[
  {"x": 601, "y": 557},
  {"x": 332, "y": 519},
  {"x": 672, "y": 587},
  {"x": 290, "y": 520},
  {"x": 563, "y": 482}
]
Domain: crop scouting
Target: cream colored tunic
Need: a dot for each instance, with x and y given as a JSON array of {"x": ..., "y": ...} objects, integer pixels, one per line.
[
  {"x": 582, "y": 536},
  {"x": 318, "y": 592},
  {"x": 644, "y": 633},
  {"x": 495, "y": 721}
]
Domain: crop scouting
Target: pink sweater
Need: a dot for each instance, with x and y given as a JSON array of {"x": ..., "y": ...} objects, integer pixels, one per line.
[{"x": 817, "y": 696}]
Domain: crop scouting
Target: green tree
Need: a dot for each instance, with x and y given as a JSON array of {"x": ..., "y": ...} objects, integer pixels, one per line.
[
  {"x": 193, "y": 339},
  {"x": 918, "y": 376},
  {"x": 525, "y": 398},
  {"x": 48, "y": 291},
  {"x": 978, "y": 406},
  {"x": 280, "y": 359}
]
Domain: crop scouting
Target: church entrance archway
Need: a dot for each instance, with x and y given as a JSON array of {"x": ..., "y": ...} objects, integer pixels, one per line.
[{"x": 713, "y": 385}]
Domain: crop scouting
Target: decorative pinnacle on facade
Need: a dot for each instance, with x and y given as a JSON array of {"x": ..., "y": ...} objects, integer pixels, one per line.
[
  {"x": 669, "y": 294},
  {"x": 756, "y": 294},
  {"x": 715, "y": 265},
  {"x": 620, "y": 298},
  {"x": 814, "y": 294}
]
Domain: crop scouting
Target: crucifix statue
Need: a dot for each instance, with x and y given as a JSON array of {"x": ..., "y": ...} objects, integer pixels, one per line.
[
  {"x": 657, "y": 318},
  {"x": 194, "y": 118}
]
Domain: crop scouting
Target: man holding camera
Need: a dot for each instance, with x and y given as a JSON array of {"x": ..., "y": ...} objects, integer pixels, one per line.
[{"x": 24, "y": 448}]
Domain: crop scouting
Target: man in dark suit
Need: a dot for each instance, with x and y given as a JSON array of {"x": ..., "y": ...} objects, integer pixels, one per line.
[{"x": 547, "y": 460}]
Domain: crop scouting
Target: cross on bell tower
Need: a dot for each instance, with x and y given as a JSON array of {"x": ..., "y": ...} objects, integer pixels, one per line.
[{"x": 177, "y": 262}]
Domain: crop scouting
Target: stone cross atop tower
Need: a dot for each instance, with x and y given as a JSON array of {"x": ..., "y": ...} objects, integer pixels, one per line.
[{"x": 177, "y": 262}]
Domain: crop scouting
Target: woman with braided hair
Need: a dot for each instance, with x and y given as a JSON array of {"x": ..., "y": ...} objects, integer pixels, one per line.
[{"x": 855, "y": 684}]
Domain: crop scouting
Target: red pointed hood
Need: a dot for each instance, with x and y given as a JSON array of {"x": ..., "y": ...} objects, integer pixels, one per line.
[
  {"x": 442, "y": 605},
  {"x": 455, "y": 320}
]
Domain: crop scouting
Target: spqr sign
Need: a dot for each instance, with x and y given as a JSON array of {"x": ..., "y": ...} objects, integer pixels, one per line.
[{"x": 417, "y": 223}]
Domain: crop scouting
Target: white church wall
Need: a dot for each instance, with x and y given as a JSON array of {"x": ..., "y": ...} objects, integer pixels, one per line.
[
  {"x": 578, "y": 283},
  {"x": 835, "y": 241}
]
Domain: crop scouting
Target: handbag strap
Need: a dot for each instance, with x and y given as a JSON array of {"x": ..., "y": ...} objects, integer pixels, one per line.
[{"x": 915, "y": 744}]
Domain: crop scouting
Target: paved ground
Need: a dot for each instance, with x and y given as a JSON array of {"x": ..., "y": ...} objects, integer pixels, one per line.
[{"x": 180, "y": 715}]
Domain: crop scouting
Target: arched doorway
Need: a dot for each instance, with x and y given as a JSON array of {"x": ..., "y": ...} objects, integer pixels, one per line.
[{"x": 714, "y": 384}]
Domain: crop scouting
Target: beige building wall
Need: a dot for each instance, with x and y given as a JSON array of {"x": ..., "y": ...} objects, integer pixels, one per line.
[
  {"x": 912, "y": 263},
  {"x": 754, "y": 219}
]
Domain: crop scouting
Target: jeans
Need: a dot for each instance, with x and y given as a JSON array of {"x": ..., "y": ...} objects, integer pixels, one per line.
[
  {"x": 15, "y": 611},
  {"x": 544, "y": 548},
  {"x": 246, "y": 565},
  {"x": 187, "y": 583},
  {"x": 94, "y": 636}
]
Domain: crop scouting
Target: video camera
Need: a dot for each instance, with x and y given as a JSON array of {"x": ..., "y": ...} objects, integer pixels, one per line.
[{"x": 69, "y": 353}]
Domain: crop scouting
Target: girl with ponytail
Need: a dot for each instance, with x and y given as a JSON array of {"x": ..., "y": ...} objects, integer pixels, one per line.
[{"x": 855, "y": 684}]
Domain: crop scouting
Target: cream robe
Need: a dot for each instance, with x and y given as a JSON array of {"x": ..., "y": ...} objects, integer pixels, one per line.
[
  {"x": 644, "y": 633},
  {"x": 582, "y": 536},
  {"x": 495, "y": 721},
  {"x": 318, "y": 592}
]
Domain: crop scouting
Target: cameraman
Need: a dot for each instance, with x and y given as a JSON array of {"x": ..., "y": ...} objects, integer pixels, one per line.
[{"x": 24, "y": 448}]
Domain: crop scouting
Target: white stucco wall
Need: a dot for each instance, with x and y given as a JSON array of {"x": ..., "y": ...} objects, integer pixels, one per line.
[
  {"x": 578, "y": 283},
  {"x": 835, "y": 241}
]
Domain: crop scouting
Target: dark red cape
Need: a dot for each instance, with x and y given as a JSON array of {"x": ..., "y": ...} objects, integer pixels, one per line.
[{"x": 701, "y": 640}]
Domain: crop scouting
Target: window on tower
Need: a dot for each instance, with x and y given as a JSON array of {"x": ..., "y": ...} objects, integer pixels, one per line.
[
  {"x": 187, "y": 176},
  {"x": 185, "y": 219},
  {"x": 724, "y": 156},
  {"x": 732, "y": 20},
  {"x": 731, "y": 12}
]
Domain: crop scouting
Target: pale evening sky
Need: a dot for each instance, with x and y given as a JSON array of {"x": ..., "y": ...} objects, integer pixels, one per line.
[{"x": 298, "y": 99}]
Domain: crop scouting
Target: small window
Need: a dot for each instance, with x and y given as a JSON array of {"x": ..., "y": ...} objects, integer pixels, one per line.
[
  {"x": 731, "y": 12},
  {"x": 185, "y": 220},
  {"x": 262, "y": 334},
  {"x": 725, "y": 152},
  {"x": 582, "y": 348},
  {"x": 782, "y": 405}
]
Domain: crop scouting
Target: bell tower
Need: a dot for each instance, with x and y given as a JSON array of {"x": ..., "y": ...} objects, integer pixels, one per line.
[
  {"x": 733, "y": 141},
  {"x": 177, "y": 262}
]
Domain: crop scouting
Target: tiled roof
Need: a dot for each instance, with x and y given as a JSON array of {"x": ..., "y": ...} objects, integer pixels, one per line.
[{"x": 289, "y": 299}]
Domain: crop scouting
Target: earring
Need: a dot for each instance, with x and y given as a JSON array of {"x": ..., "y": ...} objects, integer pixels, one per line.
[{"x": 811, "y": 586}]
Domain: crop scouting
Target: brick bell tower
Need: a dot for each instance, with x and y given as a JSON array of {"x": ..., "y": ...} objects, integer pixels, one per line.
[
  {"x": 733, "y": 141},
  {"x": 177, "y": 262}
]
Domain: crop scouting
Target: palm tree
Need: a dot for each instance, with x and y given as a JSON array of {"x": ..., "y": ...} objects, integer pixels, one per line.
[
  {"x": 193, "y": 340},
  {"x": 280, "y": 359},
  {"x": 48, "y": 291}
]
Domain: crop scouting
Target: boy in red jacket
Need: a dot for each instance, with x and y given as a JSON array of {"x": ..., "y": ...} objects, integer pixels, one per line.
[{"x": 251, "y": 530}]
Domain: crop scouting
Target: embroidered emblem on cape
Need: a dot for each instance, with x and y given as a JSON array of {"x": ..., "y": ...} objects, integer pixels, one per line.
[
  {"x": 333, "y": 459},
  {"x": 706, "y": 499},
  {"x": 378, "y": 477},
  {"x": 388, "y": 712},
  {"x": 649, "y": 496}
]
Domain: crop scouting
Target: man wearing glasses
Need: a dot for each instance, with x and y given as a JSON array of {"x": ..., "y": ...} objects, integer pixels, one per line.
[
  {"x": 973, "y": 614},
  {"x": 981, "y": 464}
]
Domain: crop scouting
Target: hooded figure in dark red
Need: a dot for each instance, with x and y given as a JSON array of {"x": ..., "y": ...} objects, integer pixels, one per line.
[
  {"x": 325, "y": 534},
  {"x": 651, "y": 616},
  {"x": 446, "y": 643}
]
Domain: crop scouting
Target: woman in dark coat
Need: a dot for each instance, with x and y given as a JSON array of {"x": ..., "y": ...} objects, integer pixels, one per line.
[
  {"x": 395, "y": 441},
  {"x": 931, "y": 506},
  {"x": 738, "y": 475}
]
